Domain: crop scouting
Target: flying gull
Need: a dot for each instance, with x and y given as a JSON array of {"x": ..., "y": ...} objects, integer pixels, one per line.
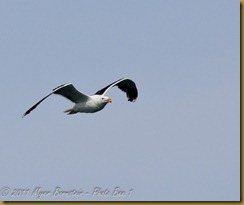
[{"x": 90, "y": 104}]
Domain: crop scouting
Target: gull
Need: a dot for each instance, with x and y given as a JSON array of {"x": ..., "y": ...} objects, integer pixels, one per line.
[{"x": 93, "y": 103}]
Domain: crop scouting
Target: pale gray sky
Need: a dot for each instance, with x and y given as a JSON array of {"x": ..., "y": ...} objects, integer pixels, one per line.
[{"x": 179, "y": 141}]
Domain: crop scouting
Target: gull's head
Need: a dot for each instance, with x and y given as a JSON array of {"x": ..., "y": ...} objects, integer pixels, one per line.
[
  {"x": 106, "y": 99},
  {"x": 102, "y": 99}
]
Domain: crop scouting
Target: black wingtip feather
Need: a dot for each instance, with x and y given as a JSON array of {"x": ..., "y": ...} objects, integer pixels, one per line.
[{"x": 130, "y": 88}]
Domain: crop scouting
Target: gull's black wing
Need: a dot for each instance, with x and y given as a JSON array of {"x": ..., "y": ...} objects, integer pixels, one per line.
[
  {"x": 124, "y": 84},
  {"x": 66, "y": 90},
  {"x": 69, "y": 91}
]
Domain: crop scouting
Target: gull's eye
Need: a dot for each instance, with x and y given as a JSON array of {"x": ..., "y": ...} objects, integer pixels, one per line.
[{"x": 102, "y": 98}]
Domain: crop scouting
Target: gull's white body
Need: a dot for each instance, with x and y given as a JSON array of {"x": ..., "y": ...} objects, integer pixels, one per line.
[{"x": 94, "y": 104}]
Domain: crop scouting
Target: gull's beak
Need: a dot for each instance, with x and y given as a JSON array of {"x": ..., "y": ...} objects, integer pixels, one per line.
[{"x": 109, "y": 100}]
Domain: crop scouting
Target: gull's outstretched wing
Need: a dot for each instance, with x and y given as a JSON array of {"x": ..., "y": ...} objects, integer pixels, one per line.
[
  {"x": 124, "y": 84},
  {"x": 66, "y": 90},
  {"x": 69, "y": 91}
]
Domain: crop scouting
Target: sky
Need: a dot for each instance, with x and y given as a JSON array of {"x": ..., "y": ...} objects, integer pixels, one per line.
[{"x": 180, "y": 141}]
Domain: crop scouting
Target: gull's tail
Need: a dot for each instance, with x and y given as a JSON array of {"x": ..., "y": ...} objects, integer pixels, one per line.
[{"x": 70, "y": 111}]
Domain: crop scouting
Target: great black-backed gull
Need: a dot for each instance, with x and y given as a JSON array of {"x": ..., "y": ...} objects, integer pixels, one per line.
[{"x": 90, "y": 104}]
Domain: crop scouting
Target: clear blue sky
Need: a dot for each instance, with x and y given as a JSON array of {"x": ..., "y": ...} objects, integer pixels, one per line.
[{"x": 178, "y": 141}]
